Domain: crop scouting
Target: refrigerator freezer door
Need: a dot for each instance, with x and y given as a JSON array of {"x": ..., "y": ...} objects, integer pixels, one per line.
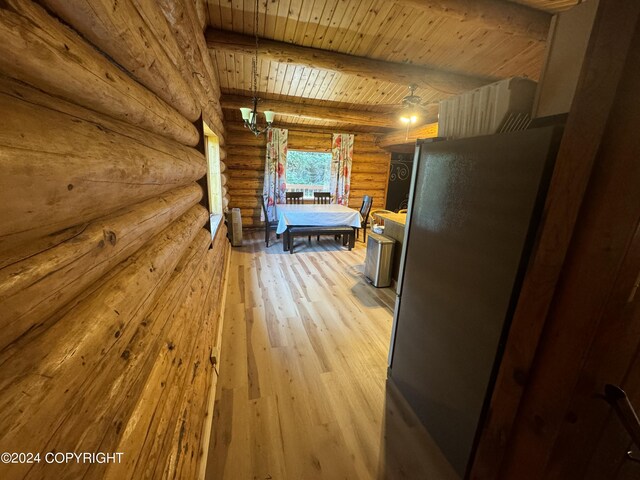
[{"x": 474, "y": 211}]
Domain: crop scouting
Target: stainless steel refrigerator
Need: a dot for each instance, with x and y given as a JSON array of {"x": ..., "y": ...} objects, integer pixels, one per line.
[{"x": 474, "y": 208}]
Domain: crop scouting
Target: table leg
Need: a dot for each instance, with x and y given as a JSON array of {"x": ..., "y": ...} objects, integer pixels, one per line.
[{"x": 285, "y": 241}]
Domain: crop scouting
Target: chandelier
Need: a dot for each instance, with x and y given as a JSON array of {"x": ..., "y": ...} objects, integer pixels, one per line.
[
  {"x": 250, "y": 115},
  {"x": 410, "y": 106}
]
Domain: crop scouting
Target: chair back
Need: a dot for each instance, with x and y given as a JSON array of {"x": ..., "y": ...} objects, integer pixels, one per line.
[
  {"x": 378, "y": 220},
  {"x": 367, "y": 201},
  {"x": 293, "y": 198},
  {"x": 322, "y": 198},
  {"x": 264, "y": 208}
]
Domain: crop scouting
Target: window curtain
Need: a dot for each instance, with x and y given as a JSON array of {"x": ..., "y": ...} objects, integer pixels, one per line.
[
  {"x": 341, "y": 160},
  {"x": 275, "y": 177}
]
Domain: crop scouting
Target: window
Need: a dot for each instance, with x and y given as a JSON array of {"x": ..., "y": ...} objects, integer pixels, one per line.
[
  {"x": 214, "y": 183},
  {"x": 308, "y": 172}
]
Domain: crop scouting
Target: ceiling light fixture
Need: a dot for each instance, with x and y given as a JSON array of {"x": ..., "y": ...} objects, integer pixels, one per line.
[
  {"x": 409, "y": 117},
  {"x": 406, "y": 119},
  {"x": 250, "y": 115},
  {"x": 411, "y": 103}
]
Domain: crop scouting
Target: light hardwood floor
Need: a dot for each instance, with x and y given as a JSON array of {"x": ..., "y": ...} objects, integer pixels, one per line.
[{"x": 302, "y": 391}]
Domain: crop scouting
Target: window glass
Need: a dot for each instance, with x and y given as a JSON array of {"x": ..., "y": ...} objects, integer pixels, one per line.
[
  {"x": 213, "y": 174},
  {"x": 214, "y": 181},
  {"x": 308, "y": 172}
]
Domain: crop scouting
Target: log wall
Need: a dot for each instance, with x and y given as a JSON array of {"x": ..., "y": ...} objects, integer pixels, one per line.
[
  {"x": 111, "y": 290},
  {"x": 246, "y": 157}
]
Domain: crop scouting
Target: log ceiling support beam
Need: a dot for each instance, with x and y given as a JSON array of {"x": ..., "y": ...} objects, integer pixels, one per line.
[
  {"x": 507, "y": 17},
  {"x": 402, "y": 137},
  {"x": 444, "y": 82},
  {"x": 320, "y": 112}
]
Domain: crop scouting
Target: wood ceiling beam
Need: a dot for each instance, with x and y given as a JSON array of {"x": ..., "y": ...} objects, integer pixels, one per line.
[
  {"x": 507, "y": 17},
  {"x": 371, "y": 134},
  {"x": 319, "y": 112},
  {"x": 399, "y": 73},
  {"x": 401, "y": 137}
]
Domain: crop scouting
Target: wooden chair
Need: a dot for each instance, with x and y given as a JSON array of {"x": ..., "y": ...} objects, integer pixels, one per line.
[
  {"x": 294, "y": 198},
  {"x": 378, "y": 221},
  {"x": 365, "y": 209},
  {"x": 267, "y": 224},
  {"x": 402, "y": 210},
  {"x": 322, "y": 198}
]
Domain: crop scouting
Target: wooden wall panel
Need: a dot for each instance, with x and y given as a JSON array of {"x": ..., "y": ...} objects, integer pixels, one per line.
[
  {"x": 112, "y": 290},
  {"x": 246, "y": 156}
]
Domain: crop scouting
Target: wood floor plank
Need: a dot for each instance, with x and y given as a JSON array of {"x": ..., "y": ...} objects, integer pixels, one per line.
[
  {"x": 302, "y": 392},
  {"x": 267, "y": 448},
  {"x": 236, "y": 464},
  {"x": 235, "y": 374},
  {"x": 262, "y": 351}
]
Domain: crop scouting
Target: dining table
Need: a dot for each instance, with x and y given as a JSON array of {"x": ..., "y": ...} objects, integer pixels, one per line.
[{"x": 327, "y": 215}]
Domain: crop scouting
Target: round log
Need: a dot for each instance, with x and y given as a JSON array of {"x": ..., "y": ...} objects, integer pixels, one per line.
[
  {"x": 253, "y": 184},
  {"x": 32, "y": 95},
  {"x": 91, "y": 421},
  {"x": 38, "y": 49},
  {"x": 87, "y": 340},
  {"x": 33, "y": 289},
  {"x": 155, "y": 414},
  {"x": 189, "y": 39},
  {"x": 74, "y": 171},
  {"x": 120, "y": 31},
  {"x": 246, "y": 162},
  {"x": 258, "y": 175}
]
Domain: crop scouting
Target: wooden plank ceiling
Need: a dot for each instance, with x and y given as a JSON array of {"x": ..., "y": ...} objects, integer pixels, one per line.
[{"x": 376, "y": 29}]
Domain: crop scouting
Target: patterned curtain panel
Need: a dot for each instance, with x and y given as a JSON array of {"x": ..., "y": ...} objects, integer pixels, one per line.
[
  {"x": 275, "y": 180},
  {"x": 341, "y": 160}
]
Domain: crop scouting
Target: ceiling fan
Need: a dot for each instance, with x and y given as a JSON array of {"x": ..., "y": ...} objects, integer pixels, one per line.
[
  {"x": 412, "y": 109},
  {"x": 411, "y": 106}
]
